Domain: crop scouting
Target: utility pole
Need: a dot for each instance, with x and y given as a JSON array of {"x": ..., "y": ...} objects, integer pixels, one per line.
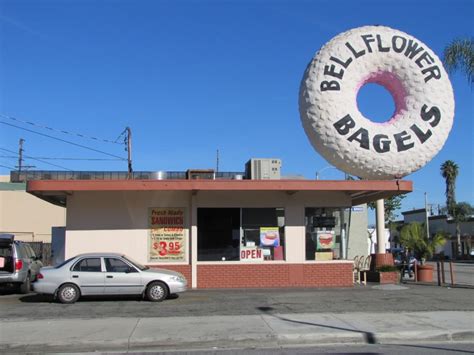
[
  {"x": 217, "y": 161},
  {"x": 129, "y": 151},
  {"x": 20, "y": 154}
]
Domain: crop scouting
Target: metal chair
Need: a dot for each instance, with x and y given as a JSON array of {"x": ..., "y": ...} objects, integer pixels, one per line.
[
  {"x": 365, "y": 266},
  {"x": 355, "y": 268}
]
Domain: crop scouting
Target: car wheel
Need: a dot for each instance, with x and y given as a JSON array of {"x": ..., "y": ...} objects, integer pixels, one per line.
[
  {"x": 68, "y": 293},
  {"x": 25, "y": 287},
  {"x": 156, "y": 291}
]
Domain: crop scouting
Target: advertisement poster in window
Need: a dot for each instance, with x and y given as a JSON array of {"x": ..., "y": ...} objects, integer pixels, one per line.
[
  {"x": 166, "y": 234},
  {"x": 269, "y": 236},
  {"x": 325, "y": 240}
]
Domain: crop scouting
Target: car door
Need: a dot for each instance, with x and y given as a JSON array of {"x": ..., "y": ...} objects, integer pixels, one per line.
[
  {"x": 87, "y": 274},
  {"x": 121, "y": 278}
]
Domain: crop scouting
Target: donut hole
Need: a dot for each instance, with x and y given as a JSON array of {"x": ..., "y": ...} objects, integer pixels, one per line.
[{"x": 376, "y": 103}]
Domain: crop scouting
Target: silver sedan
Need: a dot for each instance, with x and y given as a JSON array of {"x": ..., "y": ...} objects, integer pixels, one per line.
[{"x": 107, "y": 274}]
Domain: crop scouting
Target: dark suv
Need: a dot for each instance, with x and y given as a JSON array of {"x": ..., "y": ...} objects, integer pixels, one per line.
[{"x": 18, "y": 263}]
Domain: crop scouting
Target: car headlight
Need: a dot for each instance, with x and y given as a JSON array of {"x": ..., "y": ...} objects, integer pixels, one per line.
[{"x": 177, "y": 279}]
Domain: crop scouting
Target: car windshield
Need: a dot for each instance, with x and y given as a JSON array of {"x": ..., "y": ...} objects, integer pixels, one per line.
[
  {"x": 136, "y": 263},
  {"x": 63, "y": 263}
]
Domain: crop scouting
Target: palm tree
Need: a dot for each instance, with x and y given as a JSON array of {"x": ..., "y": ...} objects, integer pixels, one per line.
[
  {"x": 460, "y": 54},
  {"x": 450, "y": 170}
]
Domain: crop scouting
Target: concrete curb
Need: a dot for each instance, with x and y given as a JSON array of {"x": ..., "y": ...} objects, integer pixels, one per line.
[{"x": 258, "y": 331}]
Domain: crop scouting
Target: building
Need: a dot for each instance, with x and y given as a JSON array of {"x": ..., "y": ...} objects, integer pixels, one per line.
[
  {"x": 220, "y": 232},
  {"x": 26, "y": 216}
]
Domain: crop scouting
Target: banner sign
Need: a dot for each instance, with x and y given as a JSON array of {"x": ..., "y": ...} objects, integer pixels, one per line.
[
  {"x": 269, "y": 236},
  {"x": 325, "y": 240},
  {"x": 167, "y": 235}
]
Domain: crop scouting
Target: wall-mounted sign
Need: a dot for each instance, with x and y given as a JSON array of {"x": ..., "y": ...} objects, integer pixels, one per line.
[
  {"x": 325, "y": 240},
  {"x": 269, "y": 236},
  {"x": 167, "y": 235},
  {"x": 409, "y": 70},
  {"x": 251, "y": 254}
]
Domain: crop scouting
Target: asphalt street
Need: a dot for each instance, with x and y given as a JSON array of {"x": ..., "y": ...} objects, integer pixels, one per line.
[{"x": 407, "y": 297}]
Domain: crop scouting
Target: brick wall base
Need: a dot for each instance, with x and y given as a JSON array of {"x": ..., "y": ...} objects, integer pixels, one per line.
[
  {"x": 278, "y": 275},
  {"x": 391, "y": 277}
]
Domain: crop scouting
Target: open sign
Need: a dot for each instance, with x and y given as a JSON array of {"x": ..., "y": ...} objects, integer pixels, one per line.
[{"x": 251, "y": 254}]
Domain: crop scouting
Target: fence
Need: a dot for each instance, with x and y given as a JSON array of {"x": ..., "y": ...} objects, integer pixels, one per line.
[{"x": 43, "y": 250}]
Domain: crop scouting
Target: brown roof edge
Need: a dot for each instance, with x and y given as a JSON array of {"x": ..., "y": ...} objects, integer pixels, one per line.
[
  {"x": 361, "y": 191},
  {"x": 219, "y": 185}
]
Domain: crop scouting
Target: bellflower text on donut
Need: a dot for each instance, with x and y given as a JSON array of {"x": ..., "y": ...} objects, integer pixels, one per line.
[{"x": 370, "y": 43}]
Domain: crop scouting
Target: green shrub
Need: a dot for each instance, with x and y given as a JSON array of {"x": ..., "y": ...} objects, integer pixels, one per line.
[{"x": 387, "y": 268}]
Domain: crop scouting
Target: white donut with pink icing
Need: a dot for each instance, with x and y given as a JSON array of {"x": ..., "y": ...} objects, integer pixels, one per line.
[{"x": 409, "y": 70}]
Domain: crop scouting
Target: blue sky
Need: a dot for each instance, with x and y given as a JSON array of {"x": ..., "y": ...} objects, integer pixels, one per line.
[{"x": 191, "y": 77}]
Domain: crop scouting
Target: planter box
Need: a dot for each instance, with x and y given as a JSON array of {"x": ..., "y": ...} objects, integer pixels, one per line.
[
  {"x": 424, "y": 273},
  {"x": 389, "y": 277}
]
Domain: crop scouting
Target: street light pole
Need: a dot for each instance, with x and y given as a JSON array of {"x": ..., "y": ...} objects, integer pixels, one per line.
[
  {"x": 427, "y": 221},
  {"x": 325, "y": 168}
]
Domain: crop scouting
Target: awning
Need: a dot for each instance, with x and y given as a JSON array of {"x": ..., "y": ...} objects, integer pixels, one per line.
[{"x": 360, "y": 191}]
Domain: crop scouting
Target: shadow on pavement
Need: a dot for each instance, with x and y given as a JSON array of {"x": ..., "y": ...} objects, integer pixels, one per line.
[
  {"x": 433, "y": 284},
  {"x": 435, "y": 348},
  {"x": 368, "y": 336},
  {"x": 36, "y": 298},
  {"x": 39, "y": 298}
]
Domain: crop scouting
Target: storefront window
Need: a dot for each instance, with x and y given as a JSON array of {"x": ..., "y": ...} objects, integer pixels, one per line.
[
  {"x": 245, "y": 234},
  {"x": 325, "y": 228}
]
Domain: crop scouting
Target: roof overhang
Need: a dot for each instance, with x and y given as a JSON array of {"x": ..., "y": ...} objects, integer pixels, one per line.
[{"x": 360, "y": 191}]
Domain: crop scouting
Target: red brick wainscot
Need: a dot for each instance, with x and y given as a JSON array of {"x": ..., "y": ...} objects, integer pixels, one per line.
[
  {"x": 184, "y": 269},
  {"x": 238, "y": 275}
]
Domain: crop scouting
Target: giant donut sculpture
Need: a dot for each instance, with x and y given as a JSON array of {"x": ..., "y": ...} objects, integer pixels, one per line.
[{"x": 418, "y": 83}]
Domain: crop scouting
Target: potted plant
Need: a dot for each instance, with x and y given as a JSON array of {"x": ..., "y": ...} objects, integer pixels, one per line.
[{"x": 413, "y": 237}]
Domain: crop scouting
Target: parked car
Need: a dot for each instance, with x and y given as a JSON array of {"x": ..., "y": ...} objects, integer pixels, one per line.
[
  {"x": 107, "y": 274},
  {"x": 19, "y": 265}
]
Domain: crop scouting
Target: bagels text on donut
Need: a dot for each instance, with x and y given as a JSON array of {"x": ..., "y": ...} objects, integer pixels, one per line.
[
  {"x": 369, "y": 43},
  {"x": 382, "y": 143}
]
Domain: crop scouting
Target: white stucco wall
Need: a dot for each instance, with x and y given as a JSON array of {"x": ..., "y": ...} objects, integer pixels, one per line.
[{"x": 117, "y": 221}]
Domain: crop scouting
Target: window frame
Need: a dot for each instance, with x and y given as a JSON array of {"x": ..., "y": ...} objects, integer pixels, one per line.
[{"x": 86, "y": 258}]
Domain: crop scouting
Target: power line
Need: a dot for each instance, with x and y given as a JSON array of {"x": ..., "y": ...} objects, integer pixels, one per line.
[
  {"x": 121, "y": 135},
  {"x": 8, "y": 167},
  {"x": 62, "y": 140},
  {"x": 44, "y": 162},
  {"x": 59, "y": 130},
  {"x": 88, "y": 159},
  {"x": 58, "y": 158}
]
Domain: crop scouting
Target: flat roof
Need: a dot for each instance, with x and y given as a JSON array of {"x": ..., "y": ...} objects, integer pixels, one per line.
[{"x": 360, "y": 191}]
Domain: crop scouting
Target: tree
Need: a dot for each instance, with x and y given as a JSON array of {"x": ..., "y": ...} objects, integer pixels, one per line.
[
  {"x": 391, "y": 205},
  {"x": 413, "y": 237},
  {"x": 450, "y": 170},
  {"x": 460, "y": 54},
  {"x": 462, "y": 211}
]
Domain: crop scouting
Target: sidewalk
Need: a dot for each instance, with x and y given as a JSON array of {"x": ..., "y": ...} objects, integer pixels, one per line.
[{"x": 260, "y": 331}]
